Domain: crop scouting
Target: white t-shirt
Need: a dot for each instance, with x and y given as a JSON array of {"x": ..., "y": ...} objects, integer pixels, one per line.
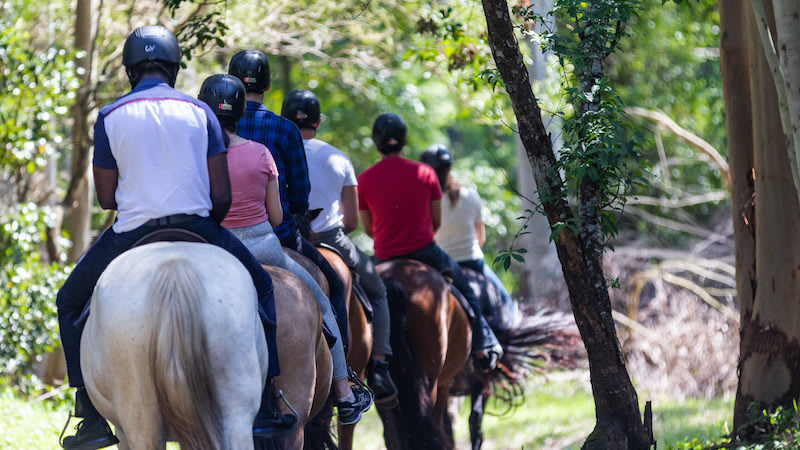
[
  {"x": 329, "y": 170},
  {"x": 456, "y": 235},
  {"x": 159, "y": 140}
]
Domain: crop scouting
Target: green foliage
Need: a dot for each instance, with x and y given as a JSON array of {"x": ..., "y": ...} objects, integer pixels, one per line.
[
  {"x": 29, "y": 287},
  {"x": 36, "y": 82},
  {"x": 778, "y": 429}
]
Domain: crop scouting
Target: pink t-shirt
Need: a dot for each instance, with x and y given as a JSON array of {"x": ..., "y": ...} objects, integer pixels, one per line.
[{"x": 251, "y": 168}]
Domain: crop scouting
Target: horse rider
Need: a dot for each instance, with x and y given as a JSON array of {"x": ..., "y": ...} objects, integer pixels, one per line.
[
  {"x": 462, "y": 232},
  {"x": 159, "y": 160},
  {"x": 256, "y": 208},
  {"x": 400, "y": 206},
  {"x": 335, "y": 191},
  {"x": 284, "y": 142}
]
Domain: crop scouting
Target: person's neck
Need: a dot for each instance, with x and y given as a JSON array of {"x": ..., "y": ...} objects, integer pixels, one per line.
[
  {"x": 308, "y": 133},
  {"x": 255, "y": 97},
  {"x": 235, "y": 139},
  {"x": 397, "y": 154}
]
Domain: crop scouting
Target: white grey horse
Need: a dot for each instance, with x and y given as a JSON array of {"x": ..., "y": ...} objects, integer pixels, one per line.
[{"x": 174, "y": 348}]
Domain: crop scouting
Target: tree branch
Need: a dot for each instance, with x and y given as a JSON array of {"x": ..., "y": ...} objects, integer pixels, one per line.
[{"x": 664, "y": 122}]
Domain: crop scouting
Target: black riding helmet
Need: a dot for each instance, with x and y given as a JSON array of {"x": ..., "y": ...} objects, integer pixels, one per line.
[
  {"x": 252, "y": 67},
  {"x": 389, "y": 133},
  {"x": 438, "y": 157},
  {"x": 148, "y": 48},
  {"x": 225, "y": 95},
  {"x": 302, "y": 108}
]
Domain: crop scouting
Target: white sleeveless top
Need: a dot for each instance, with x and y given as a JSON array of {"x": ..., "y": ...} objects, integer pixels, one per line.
[{"x": 456, "y": 235}]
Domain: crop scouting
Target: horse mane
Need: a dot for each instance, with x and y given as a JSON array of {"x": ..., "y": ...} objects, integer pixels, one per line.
[
  {"x": 181, "y": 369},
  {"x": 412, "y": 429}
]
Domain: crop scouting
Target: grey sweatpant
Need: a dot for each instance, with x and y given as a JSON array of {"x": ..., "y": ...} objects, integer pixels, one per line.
[
  {"x": 369, "y": 280},
  {"x": 266, "y": 247}
]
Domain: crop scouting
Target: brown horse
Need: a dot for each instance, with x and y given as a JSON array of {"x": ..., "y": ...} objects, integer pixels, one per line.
[
  {"x": 306, "y": 365},
  {"x": 431, "y": 339},
  {"x": 359, "y": 332},
  {"x": 528, "y": 341}
]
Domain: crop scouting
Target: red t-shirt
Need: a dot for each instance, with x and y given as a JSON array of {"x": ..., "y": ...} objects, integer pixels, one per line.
[{"x": 398, "y": 193}]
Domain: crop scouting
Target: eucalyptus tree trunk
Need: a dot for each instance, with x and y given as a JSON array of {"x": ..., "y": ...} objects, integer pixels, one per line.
[
  {"x": 766, "y": 215},
  {"x": 619, "y": 425},
  {"x": 78, "y": 199}
]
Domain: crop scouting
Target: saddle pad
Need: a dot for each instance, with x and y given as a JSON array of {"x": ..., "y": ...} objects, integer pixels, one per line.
[
  {"x": 362, "y": 298},
  {"x": 463, "y": 301}
]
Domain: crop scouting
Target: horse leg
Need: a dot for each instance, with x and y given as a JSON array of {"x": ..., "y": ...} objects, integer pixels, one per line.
[
  {"x": 123, "y": 439},
  {"x": 478, "y": 400},
  {"x": 145, "y": 430},
  {"x": 346, "y": 436}
]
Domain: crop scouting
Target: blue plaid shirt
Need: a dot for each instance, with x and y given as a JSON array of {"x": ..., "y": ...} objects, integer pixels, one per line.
[{"x": 283, "y": 140}]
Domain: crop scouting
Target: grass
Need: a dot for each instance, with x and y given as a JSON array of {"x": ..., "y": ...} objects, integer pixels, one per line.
[{"x": 558, "y": 413}]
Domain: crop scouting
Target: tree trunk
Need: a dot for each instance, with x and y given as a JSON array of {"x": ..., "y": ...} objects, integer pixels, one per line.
[
  {"x": 787, "y": 25},
  {"x": 542, "y": 272},
  {"x": 766, "y": 219},
  {"x": 619, "y": 425},
  {"x": 78, "y": 199}
]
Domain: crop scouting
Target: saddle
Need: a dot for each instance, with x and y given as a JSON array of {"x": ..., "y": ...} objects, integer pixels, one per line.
[
  {"x": 461, "y": 299},
  {"x": 161, "y": 235},
  {"x": 359, "y": 291}
]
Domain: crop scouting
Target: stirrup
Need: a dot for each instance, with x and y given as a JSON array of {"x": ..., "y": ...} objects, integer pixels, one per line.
[
  {"x": 353, "y": 376},
  {"x": 64, "y": 430}
]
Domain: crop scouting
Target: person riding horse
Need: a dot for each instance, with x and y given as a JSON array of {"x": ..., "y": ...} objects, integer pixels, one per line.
[
  {"x": 400, "y": 206},
  {"x": 463, "y": 232},
  {"x": 283, "y": 140},
  {"x": 159, "y": 160},
  {"x": 256, "y": 205},
  {"x": 335, "y": 191}
]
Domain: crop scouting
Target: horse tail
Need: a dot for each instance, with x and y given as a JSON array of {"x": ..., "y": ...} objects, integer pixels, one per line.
[
  {"x": 408, "y": 426},
  {"x": 182, "y": 372},
  {"x": 539, "y": 340}
]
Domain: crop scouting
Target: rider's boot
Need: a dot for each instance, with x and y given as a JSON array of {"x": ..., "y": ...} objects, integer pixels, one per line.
[
  {"x": 269, "y": 421},
  {"x": 380, "y": 381},
  {"x": 93, "y": 431},
  {"x": 485, "y": 346}
]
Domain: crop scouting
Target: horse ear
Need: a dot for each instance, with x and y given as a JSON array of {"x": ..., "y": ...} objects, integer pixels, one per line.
[{"x": 314, "y": 213}]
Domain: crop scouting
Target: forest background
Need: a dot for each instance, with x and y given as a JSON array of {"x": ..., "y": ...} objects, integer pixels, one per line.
[{"x": 672, "y": 267}]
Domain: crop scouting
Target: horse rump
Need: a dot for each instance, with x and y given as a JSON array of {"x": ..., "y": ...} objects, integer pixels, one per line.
[
  {"x": 182, "y": 374},
  {"x": 410, "y": 425}
]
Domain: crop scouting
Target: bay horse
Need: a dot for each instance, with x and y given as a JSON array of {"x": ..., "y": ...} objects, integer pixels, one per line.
[
  {"x": 169, "y": 351},
  {"x": 431, "y": 340},
  {"x": 359, "y": 332},
  {"x": 528, "y": 339},
  {"x": 306, "y": 365},
  {"x": 359, "y": 329}
]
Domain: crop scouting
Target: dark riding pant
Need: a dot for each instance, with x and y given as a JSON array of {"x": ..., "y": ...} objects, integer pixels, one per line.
[
  {"x": 480, "y": 266},
  {"x": 297, "y": 242},
  {"x": 77, "y": 289},
  {"x": 369, "y": 280},
  {"x": 482, "y": 336}
]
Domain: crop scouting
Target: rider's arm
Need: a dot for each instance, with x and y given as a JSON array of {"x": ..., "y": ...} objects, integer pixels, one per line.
[
  {"x": 104, "y": 167},
  {"x": 220, "y": 186},
  {"x": 480, "y": 232},
  {"x": 296, "y": 168},
  {"x": 349, "y": 207},
  {"x": 436, "y": 214},
  {"x": 366, "y": 219},
  {"x": 273, "y": 203},
  {"x": 105, "y": 183}
]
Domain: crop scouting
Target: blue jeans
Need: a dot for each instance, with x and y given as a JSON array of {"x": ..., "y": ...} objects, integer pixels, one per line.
[
  {"x": 300, "y": 244},
  {"x": 77, "y": 289},
  {"x": 482, "y": 336},
  {"x": 480, "y": 266}
]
